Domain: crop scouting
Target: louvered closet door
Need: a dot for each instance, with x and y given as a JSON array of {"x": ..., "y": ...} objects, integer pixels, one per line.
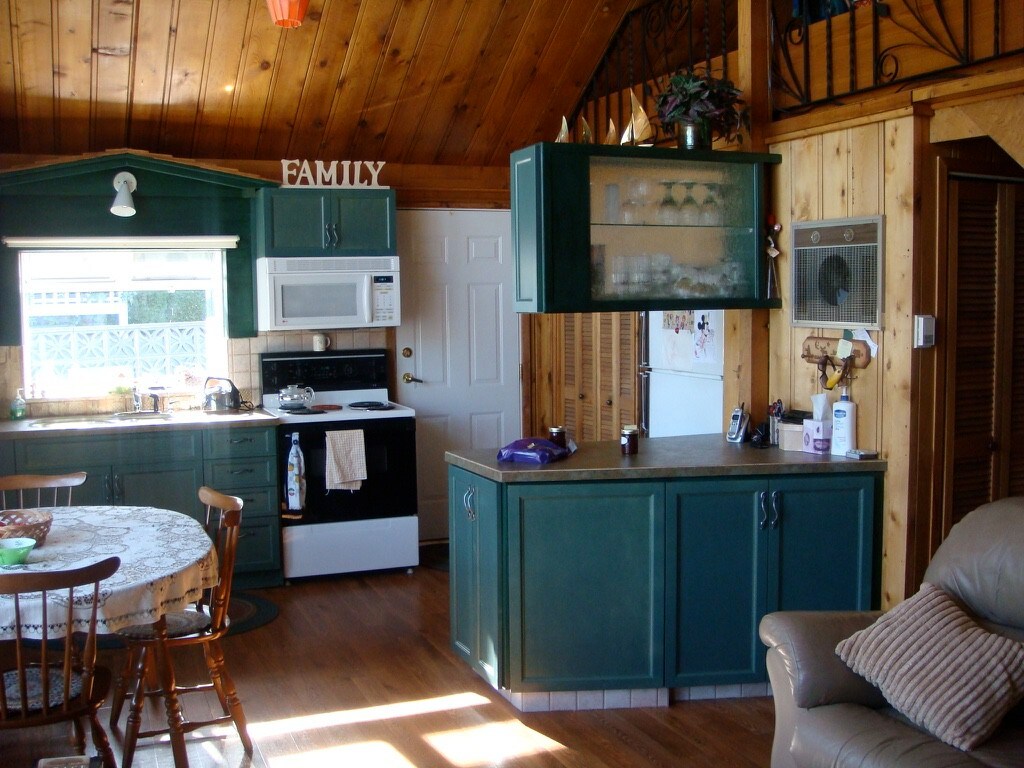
[
  {"x": 986, "y": 327},
  {"x": 599, "y": 377}
]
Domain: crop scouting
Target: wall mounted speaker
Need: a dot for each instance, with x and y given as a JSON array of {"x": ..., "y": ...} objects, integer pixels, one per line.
[{"x": 837, "y": 273}]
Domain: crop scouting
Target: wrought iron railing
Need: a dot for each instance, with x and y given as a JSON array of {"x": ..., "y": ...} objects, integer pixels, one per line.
[
  {"x": 653, "y": 42},
  {"x": 827, "y": 52},
  {"x": 831, "y": 51}
]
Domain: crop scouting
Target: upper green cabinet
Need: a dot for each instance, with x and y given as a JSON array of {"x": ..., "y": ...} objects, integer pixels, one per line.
[
  {"x": 333, "y": 222},
  {"x": 600, "y": 228}
]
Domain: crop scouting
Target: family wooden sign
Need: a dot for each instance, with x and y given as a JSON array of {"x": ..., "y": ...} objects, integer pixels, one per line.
[{"x": 345, "y": 174}]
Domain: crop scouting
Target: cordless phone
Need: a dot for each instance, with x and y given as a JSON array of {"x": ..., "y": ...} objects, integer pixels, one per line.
[{"x": 738, "y": 425}]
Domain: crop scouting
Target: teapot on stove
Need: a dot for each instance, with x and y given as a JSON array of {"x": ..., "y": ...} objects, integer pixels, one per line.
[{"x": 293, "y": 397}]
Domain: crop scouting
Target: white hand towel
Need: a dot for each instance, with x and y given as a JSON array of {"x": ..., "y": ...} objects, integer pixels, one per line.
[{"x": 346, "y": 460}]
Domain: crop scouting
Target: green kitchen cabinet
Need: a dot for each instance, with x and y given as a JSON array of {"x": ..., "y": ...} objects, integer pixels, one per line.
[
  {"x": 326, "y": 222},
  {"x": 6, "y": 458},
  {"x": 243, "y": 462},
  {"x": 585, "y": 585},
  {"x": 146, "y": 468},
  {"x": 474, "y": 572},
  {"x": 739, "y": 548},
  {"x": 597, "y": 228}
]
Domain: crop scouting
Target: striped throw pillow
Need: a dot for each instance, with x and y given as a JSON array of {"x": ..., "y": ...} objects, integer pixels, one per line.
[{"x": 937, "y": 667}]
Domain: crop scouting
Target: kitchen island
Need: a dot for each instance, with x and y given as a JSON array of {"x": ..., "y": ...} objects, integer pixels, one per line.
[{"x": 613, "y": 581}]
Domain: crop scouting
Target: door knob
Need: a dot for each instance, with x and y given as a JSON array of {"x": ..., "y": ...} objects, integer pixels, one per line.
[{"x": 408, "y": 378}]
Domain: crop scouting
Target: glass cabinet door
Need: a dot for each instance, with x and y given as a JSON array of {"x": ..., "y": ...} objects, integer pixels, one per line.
[
  {"x": 671, "y": 230},
  {"x": 610, "y": 229}
]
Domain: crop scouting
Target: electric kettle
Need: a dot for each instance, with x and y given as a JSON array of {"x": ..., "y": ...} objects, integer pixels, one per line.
[
  {"x": 293, "y": 397},
  {"x": 221, "y": 395}
]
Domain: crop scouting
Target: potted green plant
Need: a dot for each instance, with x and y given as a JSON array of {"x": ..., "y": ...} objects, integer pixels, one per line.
[{"x": 697, "y": 107}]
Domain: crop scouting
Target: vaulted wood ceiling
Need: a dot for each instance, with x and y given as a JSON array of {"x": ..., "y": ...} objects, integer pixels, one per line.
[{"x": 454, "y": 82}]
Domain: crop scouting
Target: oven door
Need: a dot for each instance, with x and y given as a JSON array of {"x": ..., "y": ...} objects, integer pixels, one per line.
[{"x": 389, "y": 489}]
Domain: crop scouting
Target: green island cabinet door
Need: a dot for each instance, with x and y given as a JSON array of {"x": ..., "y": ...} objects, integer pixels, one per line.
[
  {"x": 592, "y": 620},
  {"x": 321, "y": 222},
  {"x": 474, "y": 505},
  {"x": 739, "y": 548}
]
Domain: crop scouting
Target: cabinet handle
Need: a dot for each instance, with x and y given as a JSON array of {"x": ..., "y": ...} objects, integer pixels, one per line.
[
  {"x": 608, "y": 401},
  {"x": 237, "y": 440},
  {"x": 467, "y": 502},
  {"x": 763, "y": 522},
  {"x": 581, "y": 395},
  {"x": 118, "y": 487},
  {"x": 776, "y": 509},
  {"x": 108, "y": 486},
  {"x": 332, "y": 230},
  {"x": 248, "y": 471}
]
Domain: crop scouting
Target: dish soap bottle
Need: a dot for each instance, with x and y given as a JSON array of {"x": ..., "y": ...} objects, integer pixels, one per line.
[
  {"x": 844, "y": 425},
  {"x": 18, "y": 407}
]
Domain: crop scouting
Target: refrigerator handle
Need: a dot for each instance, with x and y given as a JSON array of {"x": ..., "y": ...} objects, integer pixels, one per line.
[
  {"x": 643, "y": 377},
  {"x": 643, "y": 354}
]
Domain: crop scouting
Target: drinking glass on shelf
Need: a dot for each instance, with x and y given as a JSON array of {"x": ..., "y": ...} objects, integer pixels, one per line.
[
  {"x": 668, "y": 208},
  {"x": 710, "y": 210},
  {"x": 689, "y": 210}
]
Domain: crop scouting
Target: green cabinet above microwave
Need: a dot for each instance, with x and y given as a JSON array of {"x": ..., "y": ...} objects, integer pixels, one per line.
[
  {"x": 326, "y": 222},
  {"x": 599, "y": 228}
]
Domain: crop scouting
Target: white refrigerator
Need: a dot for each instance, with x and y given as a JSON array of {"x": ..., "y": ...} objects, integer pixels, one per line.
[{"x": 681, "y": 372}]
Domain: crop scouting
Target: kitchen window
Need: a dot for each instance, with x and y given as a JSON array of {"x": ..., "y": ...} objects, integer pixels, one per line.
[{"x": 100, "y": 320}]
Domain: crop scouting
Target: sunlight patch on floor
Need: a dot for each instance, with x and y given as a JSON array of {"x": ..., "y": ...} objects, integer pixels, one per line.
[
  {"x": 489, "y": 744},
  {"x": 288, "y": 725},
  {"x": 378, "y": 754}
]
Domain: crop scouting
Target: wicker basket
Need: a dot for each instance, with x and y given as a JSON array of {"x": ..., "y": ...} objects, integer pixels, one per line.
[{"x": 31, "y": 523}]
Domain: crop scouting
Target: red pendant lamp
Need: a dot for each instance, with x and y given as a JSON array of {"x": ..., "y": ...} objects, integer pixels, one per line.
[{"x": 287, "y": 13}]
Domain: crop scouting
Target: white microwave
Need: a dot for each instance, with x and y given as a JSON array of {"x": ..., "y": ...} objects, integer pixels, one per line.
[{"x": 330, "y": 292}]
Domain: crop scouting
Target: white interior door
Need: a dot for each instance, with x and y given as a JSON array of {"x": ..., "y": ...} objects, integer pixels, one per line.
[{"x": 460, "y": 339}]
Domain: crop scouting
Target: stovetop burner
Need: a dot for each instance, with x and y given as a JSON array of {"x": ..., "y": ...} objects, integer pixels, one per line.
[{"x": 370, "y": 405}]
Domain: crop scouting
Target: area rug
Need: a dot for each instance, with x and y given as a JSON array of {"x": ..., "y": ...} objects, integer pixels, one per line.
[{"x": 246, "y": 612}]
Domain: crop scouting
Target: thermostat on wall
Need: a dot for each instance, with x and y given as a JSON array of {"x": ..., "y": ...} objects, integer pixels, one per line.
[{"x": 924, "y": 331}]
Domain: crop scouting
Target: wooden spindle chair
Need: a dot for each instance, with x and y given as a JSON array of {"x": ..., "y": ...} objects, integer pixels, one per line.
[
  {"x": 203, "y": 625},
  {"x": 48, "y": 680},
  {"x": 21, "y": 491}
]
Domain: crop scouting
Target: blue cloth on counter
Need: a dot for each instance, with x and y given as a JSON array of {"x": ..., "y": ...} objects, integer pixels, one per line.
[{"x": 533, "y": 450}]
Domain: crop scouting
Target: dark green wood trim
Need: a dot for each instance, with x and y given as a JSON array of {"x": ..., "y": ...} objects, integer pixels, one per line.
[{"x": 173, "y": 199}]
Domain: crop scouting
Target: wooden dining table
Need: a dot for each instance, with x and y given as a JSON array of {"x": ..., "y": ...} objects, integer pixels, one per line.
[{"x": 167, "y": 560}]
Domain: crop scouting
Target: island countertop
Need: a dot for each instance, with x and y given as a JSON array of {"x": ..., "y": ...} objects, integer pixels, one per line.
[{"x": 659, "y": 457}]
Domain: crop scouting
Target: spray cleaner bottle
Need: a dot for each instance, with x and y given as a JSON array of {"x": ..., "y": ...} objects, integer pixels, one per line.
[{"x": 844, "y": 424}]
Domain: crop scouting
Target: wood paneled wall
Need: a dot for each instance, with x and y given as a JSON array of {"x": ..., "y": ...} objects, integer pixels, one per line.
[{"x": 861, "y": 170}]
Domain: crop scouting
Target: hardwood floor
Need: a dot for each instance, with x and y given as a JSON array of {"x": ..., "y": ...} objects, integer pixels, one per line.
[{"x": 356, "y": 672}]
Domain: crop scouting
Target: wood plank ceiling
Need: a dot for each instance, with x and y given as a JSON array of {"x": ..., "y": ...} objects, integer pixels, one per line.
[{"x": 448, "y": 82}]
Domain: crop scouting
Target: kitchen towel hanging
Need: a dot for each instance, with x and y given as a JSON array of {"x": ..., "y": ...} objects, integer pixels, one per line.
[
  {"x": 295, "y": 480},
  {"x": 346, "y": 459}
]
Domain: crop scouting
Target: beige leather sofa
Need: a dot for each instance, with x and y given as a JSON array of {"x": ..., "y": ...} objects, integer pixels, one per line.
[{"x": 828, "y": 716}]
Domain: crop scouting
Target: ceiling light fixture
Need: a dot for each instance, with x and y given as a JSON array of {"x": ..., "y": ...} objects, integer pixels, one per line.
[
  {"x": 287, "y": 13},
  {"x": 123, "y": 204}
]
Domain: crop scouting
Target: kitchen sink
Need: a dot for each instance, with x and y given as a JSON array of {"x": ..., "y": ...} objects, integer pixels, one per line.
[
  {"x": 70, "y": 421},
  {"x": 143, "y": 415}
]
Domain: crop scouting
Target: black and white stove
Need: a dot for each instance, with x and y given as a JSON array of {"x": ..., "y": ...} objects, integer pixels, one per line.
[{"x": 340, "y": 531}]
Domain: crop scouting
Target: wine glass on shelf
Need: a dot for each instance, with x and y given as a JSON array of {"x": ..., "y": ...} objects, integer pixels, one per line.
[
  {"x": 689, "y": 210},
  {"x": 710, "y": 208},
  {"x": 668, "y": 208}
]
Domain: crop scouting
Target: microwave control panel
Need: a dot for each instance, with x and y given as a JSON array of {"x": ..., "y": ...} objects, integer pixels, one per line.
[{"x": 386, "y": 304}]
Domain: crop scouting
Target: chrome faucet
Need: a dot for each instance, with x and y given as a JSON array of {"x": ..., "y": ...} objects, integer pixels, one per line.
[{"x": 136, "y": 399}]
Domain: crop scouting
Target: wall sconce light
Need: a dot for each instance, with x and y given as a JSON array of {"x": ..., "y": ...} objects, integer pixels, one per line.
[
  {"x": 287, "y": 13},
  {"x": 123, "y": 205}
]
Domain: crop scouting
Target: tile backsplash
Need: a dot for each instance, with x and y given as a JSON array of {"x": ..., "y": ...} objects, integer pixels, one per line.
[{"x": 243, "y": 364}]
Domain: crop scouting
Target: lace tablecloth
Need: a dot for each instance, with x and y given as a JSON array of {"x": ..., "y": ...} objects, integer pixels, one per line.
[{"x": 166, "y": 561}]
